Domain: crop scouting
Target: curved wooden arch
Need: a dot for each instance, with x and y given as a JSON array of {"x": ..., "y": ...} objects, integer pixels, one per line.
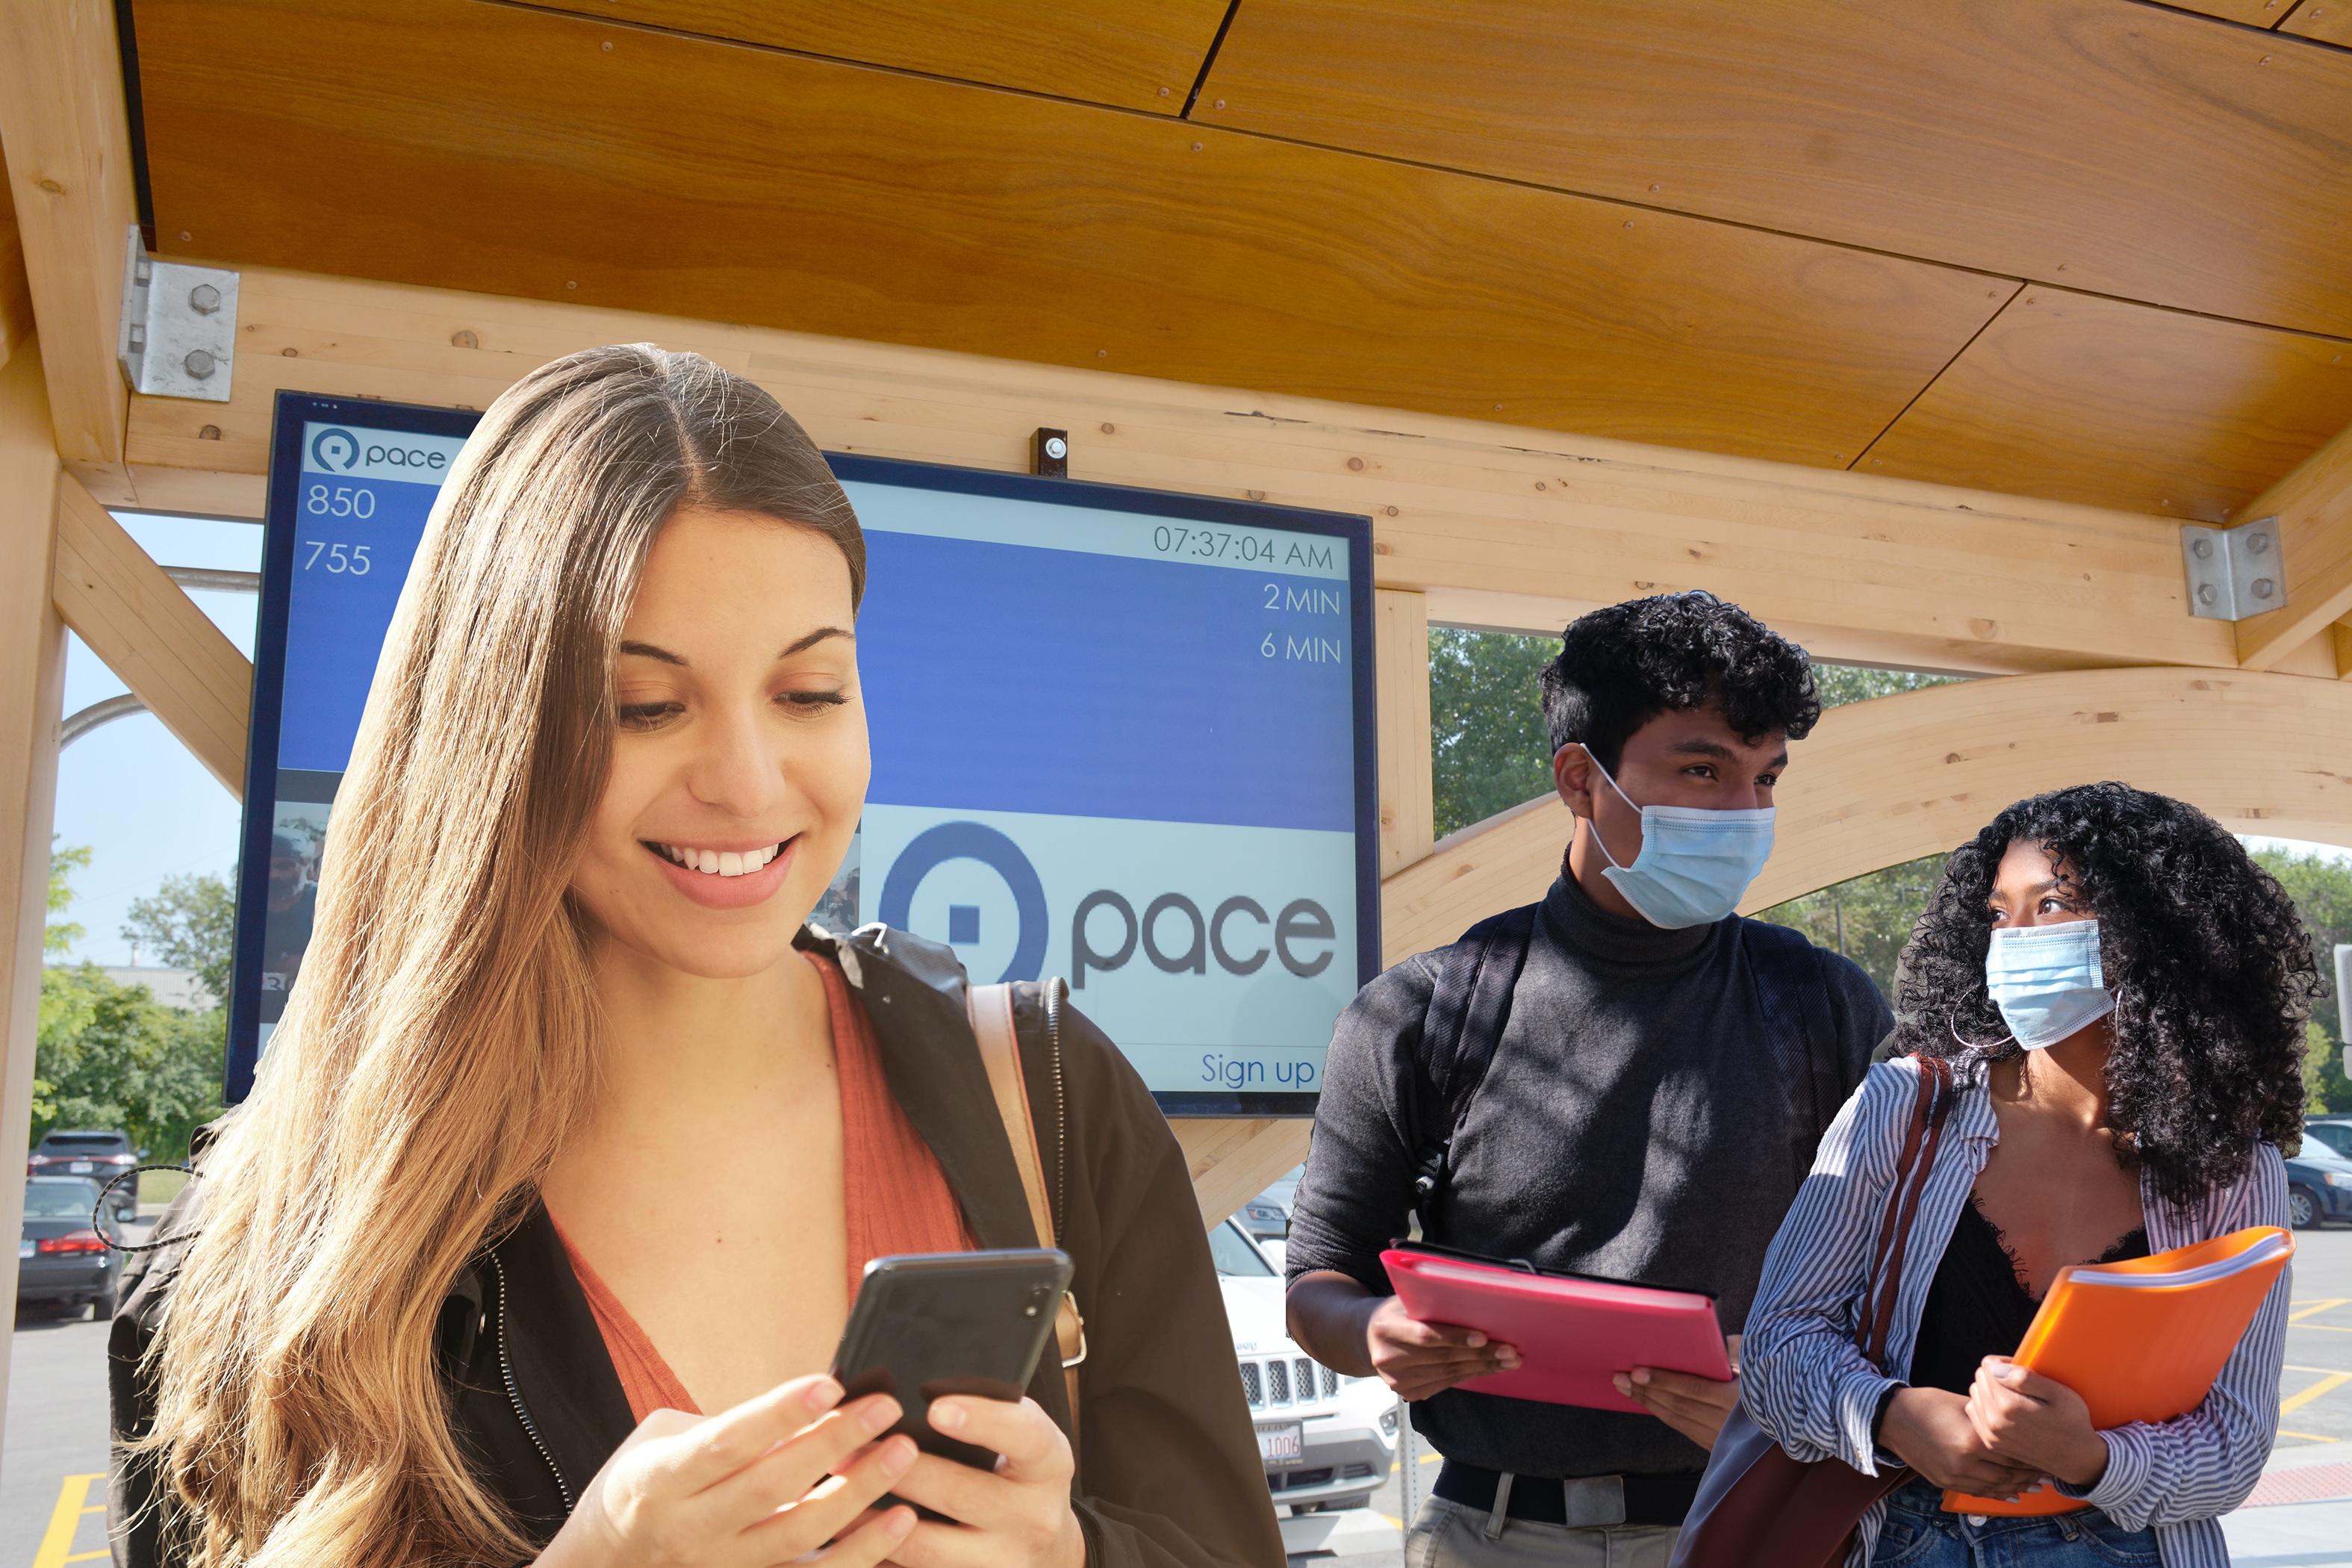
[{"x": 1887, "y": 781}]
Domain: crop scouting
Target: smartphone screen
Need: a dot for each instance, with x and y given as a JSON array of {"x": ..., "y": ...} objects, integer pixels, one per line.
[{"x": 928, "y": 1324}]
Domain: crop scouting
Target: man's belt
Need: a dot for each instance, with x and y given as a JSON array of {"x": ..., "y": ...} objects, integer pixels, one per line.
[{"x": 1578, "y": 1501}]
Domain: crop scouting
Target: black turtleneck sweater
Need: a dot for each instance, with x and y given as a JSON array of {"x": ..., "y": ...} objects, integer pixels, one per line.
[{"x": 1632, "y": 1125}]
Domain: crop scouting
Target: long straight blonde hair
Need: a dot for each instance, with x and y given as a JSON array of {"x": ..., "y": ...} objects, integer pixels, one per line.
[{"x": 442, "y": 1038}]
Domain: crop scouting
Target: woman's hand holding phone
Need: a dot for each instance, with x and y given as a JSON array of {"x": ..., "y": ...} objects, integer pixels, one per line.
[
  {"x": 1018, "y": 1516},
  {"x": 753, "y": 1486}
]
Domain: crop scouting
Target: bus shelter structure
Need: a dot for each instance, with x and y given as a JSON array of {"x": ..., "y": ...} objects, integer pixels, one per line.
[{"x": 1938, "y": 336}]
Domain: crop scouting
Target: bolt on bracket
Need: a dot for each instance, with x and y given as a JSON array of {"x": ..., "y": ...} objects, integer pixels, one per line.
[
  {"x": 2233, "y": 572},
  {"x": 178, "y": 337}
]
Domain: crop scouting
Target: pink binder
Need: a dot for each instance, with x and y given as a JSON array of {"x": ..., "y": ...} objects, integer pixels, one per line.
[{"x": 1573, "y": 1335}]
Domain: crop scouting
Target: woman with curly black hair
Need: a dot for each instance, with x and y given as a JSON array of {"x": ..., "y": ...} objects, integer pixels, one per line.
[{"x": 2118, "y": 994}]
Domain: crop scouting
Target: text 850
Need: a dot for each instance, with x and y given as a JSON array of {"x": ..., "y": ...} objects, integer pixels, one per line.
[{"x": 339, "y": 501}]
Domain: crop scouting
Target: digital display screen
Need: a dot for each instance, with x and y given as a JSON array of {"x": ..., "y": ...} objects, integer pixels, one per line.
[{"x": 1120, "y": 736}]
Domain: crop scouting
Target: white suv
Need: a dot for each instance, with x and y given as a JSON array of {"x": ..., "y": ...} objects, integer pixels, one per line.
[{"x": 1328, "y": 1441}]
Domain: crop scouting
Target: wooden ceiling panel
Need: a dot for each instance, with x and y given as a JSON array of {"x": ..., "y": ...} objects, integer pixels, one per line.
[
  {"x": 2103, "y": 145},
  {"x": 515, "y": 151},
  {"x": 2330, "y": 21},
  {"x": 2254, "y": 13},
  {"x": 2081, "y": 398},
  {"x": 1142, "y": 54}
]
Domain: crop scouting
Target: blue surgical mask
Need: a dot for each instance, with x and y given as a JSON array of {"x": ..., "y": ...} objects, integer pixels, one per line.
[
  {"x": 2047, "y": 981},
  {"x": 1694, "y": 865}
]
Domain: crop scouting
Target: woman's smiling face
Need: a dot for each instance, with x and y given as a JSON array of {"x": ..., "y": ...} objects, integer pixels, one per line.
[{"x": 739, "y": 757}]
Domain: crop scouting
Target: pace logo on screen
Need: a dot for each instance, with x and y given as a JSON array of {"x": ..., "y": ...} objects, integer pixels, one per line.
[{"x": 1217, "y": 957}]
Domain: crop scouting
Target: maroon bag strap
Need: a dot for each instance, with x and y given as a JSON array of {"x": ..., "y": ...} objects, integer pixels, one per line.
[{"x": 1930, "y": 1108}]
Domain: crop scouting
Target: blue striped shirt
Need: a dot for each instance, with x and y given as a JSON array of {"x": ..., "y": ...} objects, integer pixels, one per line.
[{"x": 1805, "y": 1382}]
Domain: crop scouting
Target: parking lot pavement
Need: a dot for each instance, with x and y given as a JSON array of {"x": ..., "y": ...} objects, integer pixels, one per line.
[
  {"x": 2301, "y": 1514},
  {"x": 53, "y": 1464}
]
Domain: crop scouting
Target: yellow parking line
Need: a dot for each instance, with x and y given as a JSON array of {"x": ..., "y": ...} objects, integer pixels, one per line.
[
  {"x": 65, "y": 1520},
  {"x": 2315, "y": 1307},
  {"x": 2307, "y": 1436},
  {"x": 2333, "y": 1380}
]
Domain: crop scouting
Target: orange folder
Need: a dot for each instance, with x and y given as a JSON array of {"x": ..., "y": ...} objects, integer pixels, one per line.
[{"x": 2143, "y": 1340}]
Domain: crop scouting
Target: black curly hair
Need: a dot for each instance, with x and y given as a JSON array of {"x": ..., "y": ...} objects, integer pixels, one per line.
[
  {"x": 2212, "y": 972},
  {"x": 1620, "y": 668}
]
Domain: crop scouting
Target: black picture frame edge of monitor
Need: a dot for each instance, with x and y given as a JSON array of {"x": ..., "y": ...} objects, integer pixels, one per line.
[{"x": 294, "y": 410}]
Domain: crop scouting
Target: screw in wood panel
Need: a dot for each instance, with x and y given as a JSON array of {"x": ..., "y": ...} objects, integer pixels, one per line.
[
  {"x": 1102, "y": 353},
  {"x": 1196, "y": 146},
  {"x": 208, "y": 433},
  {"x": 186, "y": 237},
  {"x": 1255, "y": 495},
  {"x": 608, "y": 45},
  {"x": 292, "y": 353},
  {"x": 1392, "y": 512},
  {"x": 55, "y": 189},
  {"x": 464, "y": 338},
  {"x": 1163, "y": 92},
  {"x": 1356, "y": 463},
  {"x": 1108, "y": 428},
  {"x": 1220, "y": 103},
  {"x": 1049, "y": 453},
  {"x": 571, "y": 283}
]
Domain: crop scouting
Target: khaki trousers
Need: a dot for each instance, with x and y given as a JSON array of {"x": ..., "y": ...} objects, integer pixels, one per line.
[{"x": 1448, "y": 1535}]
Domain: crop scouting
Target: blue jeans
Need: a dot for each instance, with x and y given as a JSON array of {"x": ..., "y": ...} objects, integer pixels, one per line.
[{"x": 1918, "y": 1534}]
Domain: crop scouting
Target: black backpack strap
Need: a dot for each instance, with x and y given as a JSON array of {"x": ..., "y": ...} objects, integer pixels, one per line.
[
  {"x": 1794, "y": 989},
  {"x": 1468, "y": 1009}
]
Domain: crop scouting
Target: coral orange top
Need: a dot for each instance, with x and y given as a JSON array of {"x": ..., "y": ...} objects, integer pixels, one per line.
[{"x": 898, "y": 1199}]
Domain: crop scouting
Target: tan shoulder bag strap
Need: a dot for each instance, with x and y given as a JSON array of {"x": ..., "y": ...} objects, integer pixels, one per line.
[{"x": 990, "y": 1008}]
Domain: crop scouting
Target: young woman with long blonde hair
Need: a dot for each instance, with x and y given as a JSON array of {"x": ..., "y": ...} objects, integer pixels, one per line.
[{"x": 534, "y": 1239}]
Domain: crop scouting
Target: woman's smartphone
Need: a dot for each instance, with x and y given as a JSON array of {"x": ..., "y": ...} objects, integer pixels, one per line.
[{"x": 928, "y": 1324}]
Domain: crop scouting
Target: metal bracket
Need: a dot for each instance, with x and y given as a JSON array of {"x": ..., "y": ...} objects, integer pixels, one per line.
[
  {"x": 178, "y": 337},
  {"x": 2233, "y": 572}
]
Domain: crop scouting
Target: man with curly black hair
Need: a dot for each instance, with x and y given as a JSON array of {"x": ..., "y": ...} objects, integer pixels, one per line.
[
  {"x": 1627, "y": 1079},
  {"x": 2118, "y": 994}
]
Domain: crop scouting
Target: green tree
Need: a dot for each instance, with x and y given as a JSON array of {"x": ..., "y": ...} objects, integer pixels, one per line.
[
  {"x": 58, "y": 936},
  {"x": 1488, "y": 748},
  {"x": 110, "y": 1056},
  {"x": 2321, "y": 887},
  {"x": 189, "y": 924}
]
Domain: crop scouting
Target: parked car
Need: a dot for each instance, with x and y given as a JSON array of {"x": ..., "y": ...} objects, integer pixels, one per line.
[
  {"x": 1328, "y": 1441},
  {"x": 60, "y": 1259},
  {"x": 1267, "y": 1215},
  {"x": 2318, "y": 1188},
  {"x": 100, "y": 1156},
  {"x": 2335, "y": 1132}
]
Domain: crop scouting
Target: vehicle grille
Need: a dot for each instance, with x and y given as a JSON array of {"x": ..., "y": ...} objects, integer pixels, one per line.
[
  {"x": 1285, "y": 1381},
  {"x": 1292, "y": 1480}
]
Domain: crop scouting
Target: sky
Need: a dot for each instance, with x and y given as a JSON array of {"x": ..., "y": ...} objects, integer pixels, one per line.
[
  {"x": 148, "y": 810},
  {"x": 144, "y": 806}
]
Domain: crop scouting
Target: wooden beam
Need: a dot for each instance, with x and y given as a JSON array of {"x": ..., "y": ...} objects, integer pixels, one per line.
[
  {"x": 151, "y": 634},
  {"x": 1855, "y": 565},
  {"x": 67, "y": 141},
  {"x": 1883, "y": 781},
  {"x": 1400, "y": 634},
  {"x": 32, "y": 688},
  {"x": 2314, "y": 506},
  {"x": 15, "y": 293},
  {"x": 1232, "y": 1160}
]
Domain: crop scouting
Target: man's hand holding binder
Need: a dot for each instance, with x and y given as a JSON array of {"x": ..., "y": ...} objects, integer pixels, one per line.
[
  {"x": 1418, "y": 1359},
  {"x": 1692, "y": 1405}
]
